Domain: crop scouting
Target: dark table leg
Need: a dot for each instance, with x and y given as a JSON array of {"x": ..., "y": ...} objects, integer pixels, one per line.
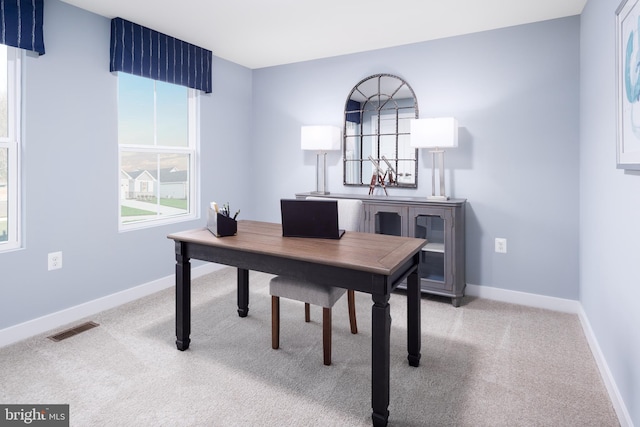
[
  {"x": 243, "y": 292},
  {"x": 413, "y": 319},
  {"x": 183, "y": 298},
  {"x": 380, "y": 338}
]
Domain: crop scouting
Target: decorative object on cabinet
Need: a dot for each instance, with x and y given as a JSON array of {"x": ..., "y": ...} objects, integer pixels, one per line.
[
  {"x": 437, "y": 133},
  {"x": 391, "y": 172},
  {"x": 376, "y": 123},
  {"x": 628, "y": 105},
  {"x": 440, "y": 222},
  {"x": 320, "y": 139},
  {"x": 378, "y": 177}
]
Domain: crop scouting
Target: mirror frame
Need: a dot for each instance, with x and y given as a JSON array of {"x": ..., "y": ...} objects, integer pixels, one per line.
[{"x": 377, "y": 95}]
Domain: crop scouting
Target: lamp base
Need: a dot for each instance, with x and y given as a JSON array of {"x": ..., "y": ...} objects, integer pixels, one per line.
[
  {"x": 440, "y": 155},
  {"x": 321, "y": 175}
]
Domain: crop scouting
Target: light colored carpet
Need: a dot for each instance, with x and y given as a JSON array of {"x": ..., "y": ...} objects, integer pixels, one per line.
[{"x": 483, "y": 364}]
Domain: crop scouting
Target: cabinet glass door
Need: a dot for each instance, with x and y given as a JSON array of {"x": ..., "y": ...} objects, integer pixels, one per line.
[
  {"x": 432, "y": 262},
  {"x": 388, "y": 223},
  {"x": 387, "y": 219}
]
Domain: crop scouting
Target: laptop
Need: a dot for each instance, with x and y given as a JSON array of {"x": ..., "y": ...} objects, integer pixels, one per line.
[{"x": 310, "y": 218}]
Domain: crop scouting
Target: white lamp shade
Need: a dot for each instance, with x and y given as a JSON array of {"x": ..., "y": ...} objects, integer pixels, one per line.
[
  {"x": 440, "y": 132},
  {"x": 320, "y": 138}
]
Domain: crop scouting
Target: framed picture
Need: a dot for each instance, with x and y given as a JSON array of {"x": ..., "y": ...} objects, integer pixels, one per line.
[{"x": 628, "y": 82}]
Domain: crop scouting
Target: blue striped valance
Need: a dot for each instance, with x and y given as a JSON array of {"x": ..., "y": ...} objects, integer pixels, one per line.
[
  {"x": 144, "y": 52},
  {"x": 21, "y": 24}
]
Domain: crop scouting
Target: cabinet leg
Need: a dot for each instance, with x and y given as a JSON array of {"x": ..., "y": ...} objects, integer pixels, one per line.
[{"x": 456, "y": 301}]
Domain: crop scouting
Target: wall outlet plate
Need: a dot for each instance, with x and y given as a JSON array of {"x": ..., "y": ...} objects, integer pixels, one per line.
[
  {"x": 501, "y": 245},
  {"x": 55, "y": 260}
]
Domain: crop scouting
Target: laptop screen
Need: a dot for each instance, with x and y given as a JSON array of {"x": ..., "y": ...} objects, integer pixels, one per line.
[{"x": 310, "y": 218}]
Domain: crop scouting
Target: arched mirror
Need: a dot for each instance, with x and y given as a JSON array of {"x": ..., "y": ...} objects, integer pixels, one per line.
[{"x": 377, "y": 119}]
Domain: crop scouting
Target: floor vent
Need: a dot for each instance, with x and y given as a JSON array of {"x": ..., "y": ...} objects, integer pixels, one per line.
[{"x": 73, "y": 331}]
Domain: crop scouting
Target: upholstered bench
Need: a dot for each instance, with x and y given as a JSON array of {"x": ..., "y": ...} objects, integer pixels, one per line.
[{"x": 320, "y": 294}]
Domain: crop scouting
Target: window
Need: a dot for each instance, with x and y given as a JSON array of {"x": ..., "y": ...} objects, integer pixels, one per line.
[
  {"x": 157, "y": 140},
  {"x": 9, "y": 148}
]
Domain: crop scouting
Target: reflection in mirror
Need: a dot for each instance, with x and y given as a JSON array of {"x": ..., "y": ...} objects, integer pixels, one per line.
[{"x": 376, "y": 123}]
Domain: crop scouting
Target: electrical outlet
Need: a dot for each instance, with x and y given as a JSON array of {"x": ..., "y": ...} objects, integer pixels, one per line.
[
  {"x": 55, "y": 260},
  {"x": 501, "y": 245}
]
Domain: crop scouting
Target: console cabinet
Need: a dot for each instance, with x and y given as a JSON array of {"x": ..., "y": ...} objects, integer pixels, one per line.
[{"x": 441, "y": 223}]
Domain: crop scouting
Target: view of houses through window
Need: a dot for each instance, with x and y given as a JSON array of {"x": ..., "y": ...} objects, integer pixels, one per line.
[
  {"x": 156, "y": 137},
  {"x": 9, "y": 148}
]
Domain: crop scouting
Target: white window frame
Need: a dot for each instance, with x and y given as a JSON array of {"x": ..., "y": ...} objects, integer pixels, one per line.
[
  {"x": 12, "y": 143},
  {"x": 193, "y": 150}
]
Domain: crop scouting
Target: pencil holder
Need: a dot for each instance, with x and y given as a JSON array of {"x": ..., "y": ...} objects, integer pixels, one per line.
[{"x": 221, "y": 225}]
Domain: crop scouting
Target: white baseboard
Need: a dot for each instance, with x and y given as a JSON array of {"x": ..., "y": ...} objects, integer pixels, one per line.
[
  {"x": 55, "y": 320},
  {"x": 565, "y": 306},
  {"x": 523, "y": 298},
  {"x": 614, "y": 393}
]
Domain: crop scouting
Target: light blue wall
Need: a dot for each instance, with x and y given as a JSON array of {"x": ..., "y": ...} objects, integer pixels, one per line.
[
  {"x": 71, "y": 177},
  {"x": 515, "y": 94},
  {"x": 527, "y": 173},
  {"x": 513, "y": 91},
  {"x": 609, "y": 207}
]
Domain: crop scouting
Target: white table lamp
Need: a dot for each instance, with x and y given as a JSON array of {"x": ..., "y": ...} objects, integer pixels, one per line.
[
  {"x": 320, "y": 139},
  {"x": 436, "y": 133}
]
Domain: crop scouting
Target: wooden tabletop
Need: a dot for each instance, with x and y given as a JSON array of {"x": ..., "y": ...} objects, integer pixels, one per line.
[{"x": 376, "y": 253}]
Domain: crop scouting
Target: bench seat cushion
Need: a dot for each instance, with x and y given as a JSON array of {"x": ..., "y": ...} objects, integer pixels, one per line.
[{"x": 305, "y": 291}]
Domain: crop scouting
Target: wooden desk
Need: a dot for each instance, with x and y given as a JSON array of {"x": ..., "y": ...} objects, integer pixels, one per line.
[{"x": 371, "y": 263}]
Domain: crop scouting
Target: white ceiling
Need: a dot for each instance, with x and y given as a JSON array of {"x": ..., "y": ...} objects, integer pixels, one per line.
[{"x": 262, "y": 33}]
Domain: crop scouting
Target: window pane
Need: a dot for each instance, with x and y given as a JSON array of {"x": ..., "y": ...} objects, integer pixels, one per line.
[
  {"x": 135, "y": 109},
  {"x": 156, "y": 150},
  {"x": 3, "y": 195},
  {"x": 172, "y": 115},
  {"x": 4, "y": 117}
]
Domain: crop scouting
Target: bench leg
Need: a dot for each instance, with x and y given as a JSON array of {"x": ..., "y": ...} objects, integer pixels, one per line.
[
  {"x": 326, "y": 335},
  {"x": 351, "y": 302},
  {"x": 275, "y": 322}
]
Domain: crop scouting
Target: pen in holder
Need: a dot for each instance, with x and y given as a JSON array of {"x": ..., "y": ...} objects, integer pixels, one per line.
[{"x": 221, "y": 225}]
